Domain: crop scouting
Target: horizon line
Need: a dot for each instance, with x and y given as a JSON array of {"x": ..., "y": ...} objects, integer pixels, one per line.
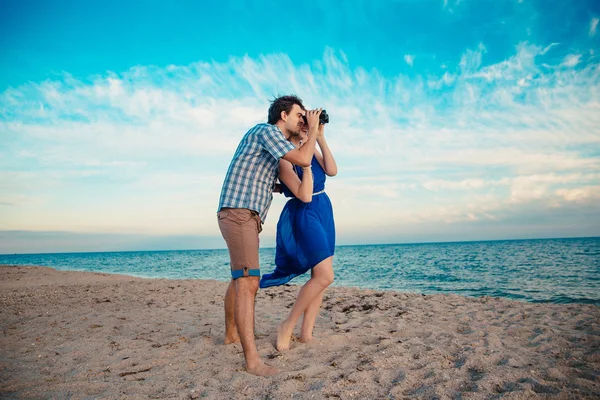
[{"x": 343, "y": 245}]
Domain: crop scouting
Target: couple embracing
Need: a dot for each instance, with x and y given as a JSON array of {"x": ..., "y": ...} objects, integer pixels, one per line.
[{"x": 286, "y": 148}]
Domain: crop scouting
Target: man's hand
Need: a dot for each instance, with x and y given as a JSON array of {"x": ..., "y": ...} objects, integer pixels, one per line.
[{"x": 312, "y": 116}]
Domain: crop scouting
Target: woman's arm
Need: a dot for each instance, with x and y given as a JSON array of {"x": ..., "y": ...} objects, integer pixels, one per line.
[
  {"x": 326, "y": 159},
  {"x": 301, "y": 189}
]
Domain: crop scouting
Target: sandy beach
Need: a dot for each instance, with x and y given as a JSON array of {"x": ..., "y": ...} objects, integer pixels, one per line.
[{"x": 84, "y": 335}]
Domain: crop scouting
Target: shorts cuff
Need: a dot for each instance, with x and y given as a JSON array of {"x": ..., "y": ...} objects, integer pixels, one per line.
[{"x": 238, "y": 273}]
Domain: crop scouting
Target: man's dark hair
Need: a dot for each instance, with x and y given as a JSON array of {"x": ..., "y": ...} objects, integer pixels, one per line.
[{"x": 282, "y": 103}]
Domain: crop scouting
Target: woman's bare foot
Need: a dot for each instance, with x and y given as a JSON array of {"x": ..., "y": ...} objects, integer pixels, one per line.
[
  {"x": 284, "y": 334},
  {"x": 308, "y": 340},
  {"x": 261, "y": 369}
]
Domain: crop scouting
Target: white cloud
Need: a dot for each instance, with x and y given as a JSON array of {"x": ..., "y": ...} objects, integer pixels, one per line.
[
  {"x": 593, "y": 26},
  {"x": 437, "y": 185},
  {"x": 147, "y": 149},
  {"x": 571, "y": 60},
  {"x": 409, "y": 59},
  {"x": 580, "y": 195},
  {"x": 471, "y": 60},
  {"x": 516, "y": 66},
  {"x": 547, "y": 48}
]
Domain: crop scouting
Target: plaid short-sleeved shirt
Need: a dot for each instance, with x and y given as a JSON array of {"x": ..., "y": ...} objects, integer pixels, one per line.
[{"x": 251, "y": 175}]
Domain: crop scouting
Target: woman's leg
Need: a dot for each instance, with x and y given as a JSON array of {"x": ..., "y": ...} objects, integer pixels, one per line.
[
  {"x": 309, "y": 318},
  {"x": 322, "y": 277}
]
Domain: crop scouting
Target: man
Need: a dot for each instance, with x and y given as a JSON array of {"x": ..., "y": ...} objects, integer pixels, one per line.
[{"x": 245, "y": 199}]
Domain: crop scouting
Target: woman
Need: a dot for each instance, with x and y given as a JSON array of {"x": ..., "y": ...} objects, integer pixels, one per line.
[{"x": 305, "y": 237}]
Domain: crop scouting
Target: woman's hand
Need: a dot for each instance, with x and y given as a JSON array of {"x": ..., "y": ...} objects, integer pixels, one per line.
[
  {"x": 321, "y": 131},
  {"x": 312, "y": 117}
]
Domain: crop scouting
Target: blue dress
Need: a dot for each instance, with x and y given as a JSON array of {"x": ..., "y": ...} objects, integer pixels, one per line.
[{"x": 305, "y": 232}]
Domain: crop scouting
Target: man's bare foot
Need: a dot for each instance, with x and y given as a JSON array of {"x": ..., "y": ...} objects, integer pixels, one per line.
[
  {"x": 231, "y": 339},
  {"x": 283, "y": 338},
  {"x": 261, "y": 369}
]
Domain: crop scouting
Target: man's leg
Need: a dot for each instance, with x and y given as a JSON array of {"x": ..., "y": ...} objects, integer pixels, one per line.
[
  {"x": 240, "y": 228},
  {"x": 322, "y": 277},
  {"x": 245, "y": 292},
  {"x": 231, "y": 333}
]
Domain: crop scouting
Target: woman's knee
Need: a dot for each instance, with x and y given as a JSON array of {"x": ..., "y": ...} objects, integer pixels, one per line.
[
  {"x": 329, "y": 278},
  {"x": 324, "y": 277}
]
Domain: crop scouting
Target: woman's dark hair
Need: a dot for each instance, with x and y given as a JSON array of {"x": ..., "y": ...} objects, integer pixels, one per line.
[{"x": 282, "y": 103}]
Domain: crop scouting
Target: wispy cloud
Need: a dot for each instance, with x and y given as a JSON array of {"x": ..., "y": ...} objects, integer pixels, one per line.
[
  {"x": 593, "y": 26},
  {"x": 571, "y": 60},
  {"x": 147, "y": 149},
  {"x": 409, "y": 59}
]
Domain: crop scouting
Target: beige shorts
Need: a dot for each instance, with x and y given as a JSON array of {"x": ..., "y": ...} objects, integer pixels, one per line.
[{"x": 240, "y": 228}]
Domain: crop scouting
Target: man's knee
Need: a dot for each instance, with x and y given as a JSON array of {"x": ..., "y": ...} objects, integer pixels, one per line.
[{"x": 246, "y": 285}]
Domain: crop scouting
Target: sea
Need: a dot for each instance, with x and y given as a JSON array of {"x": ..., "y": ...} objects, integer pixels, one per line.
[{"x": 540, "y": 270}]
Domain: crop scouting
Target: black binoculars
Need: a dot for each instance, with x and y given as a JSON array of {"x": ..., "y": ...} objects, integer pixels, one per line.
[{"x": 323, "y": 118}]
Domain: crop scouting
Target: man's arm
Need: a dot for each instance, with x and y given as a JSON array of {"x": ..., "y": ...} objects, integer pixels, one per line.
[{"x": 303, "y": 156}]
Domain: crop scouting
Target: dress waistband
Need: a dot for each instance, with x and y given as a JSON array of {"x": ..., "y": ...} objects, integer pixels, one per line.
[{"x": 319, "y": 192}]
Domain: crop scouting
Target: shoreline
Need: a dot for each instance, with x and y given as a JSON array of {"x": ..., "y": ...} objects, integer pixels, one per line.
[
  {"x": 300, "y": 282},
  {"x": 99, "y": 335}
]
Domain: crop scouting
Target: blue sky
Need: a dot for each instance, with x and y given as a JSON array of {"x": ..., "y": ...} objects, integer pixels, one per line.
[{"x": 450, "y": 120}]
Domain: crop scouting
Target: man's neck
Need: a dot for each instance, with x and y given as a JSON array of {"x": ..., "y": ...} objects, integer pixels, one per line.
[
  {"x": 295, "y": 140},
  {"x": 288, "y": 136},
  {"x": 281, "y": 125}
]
